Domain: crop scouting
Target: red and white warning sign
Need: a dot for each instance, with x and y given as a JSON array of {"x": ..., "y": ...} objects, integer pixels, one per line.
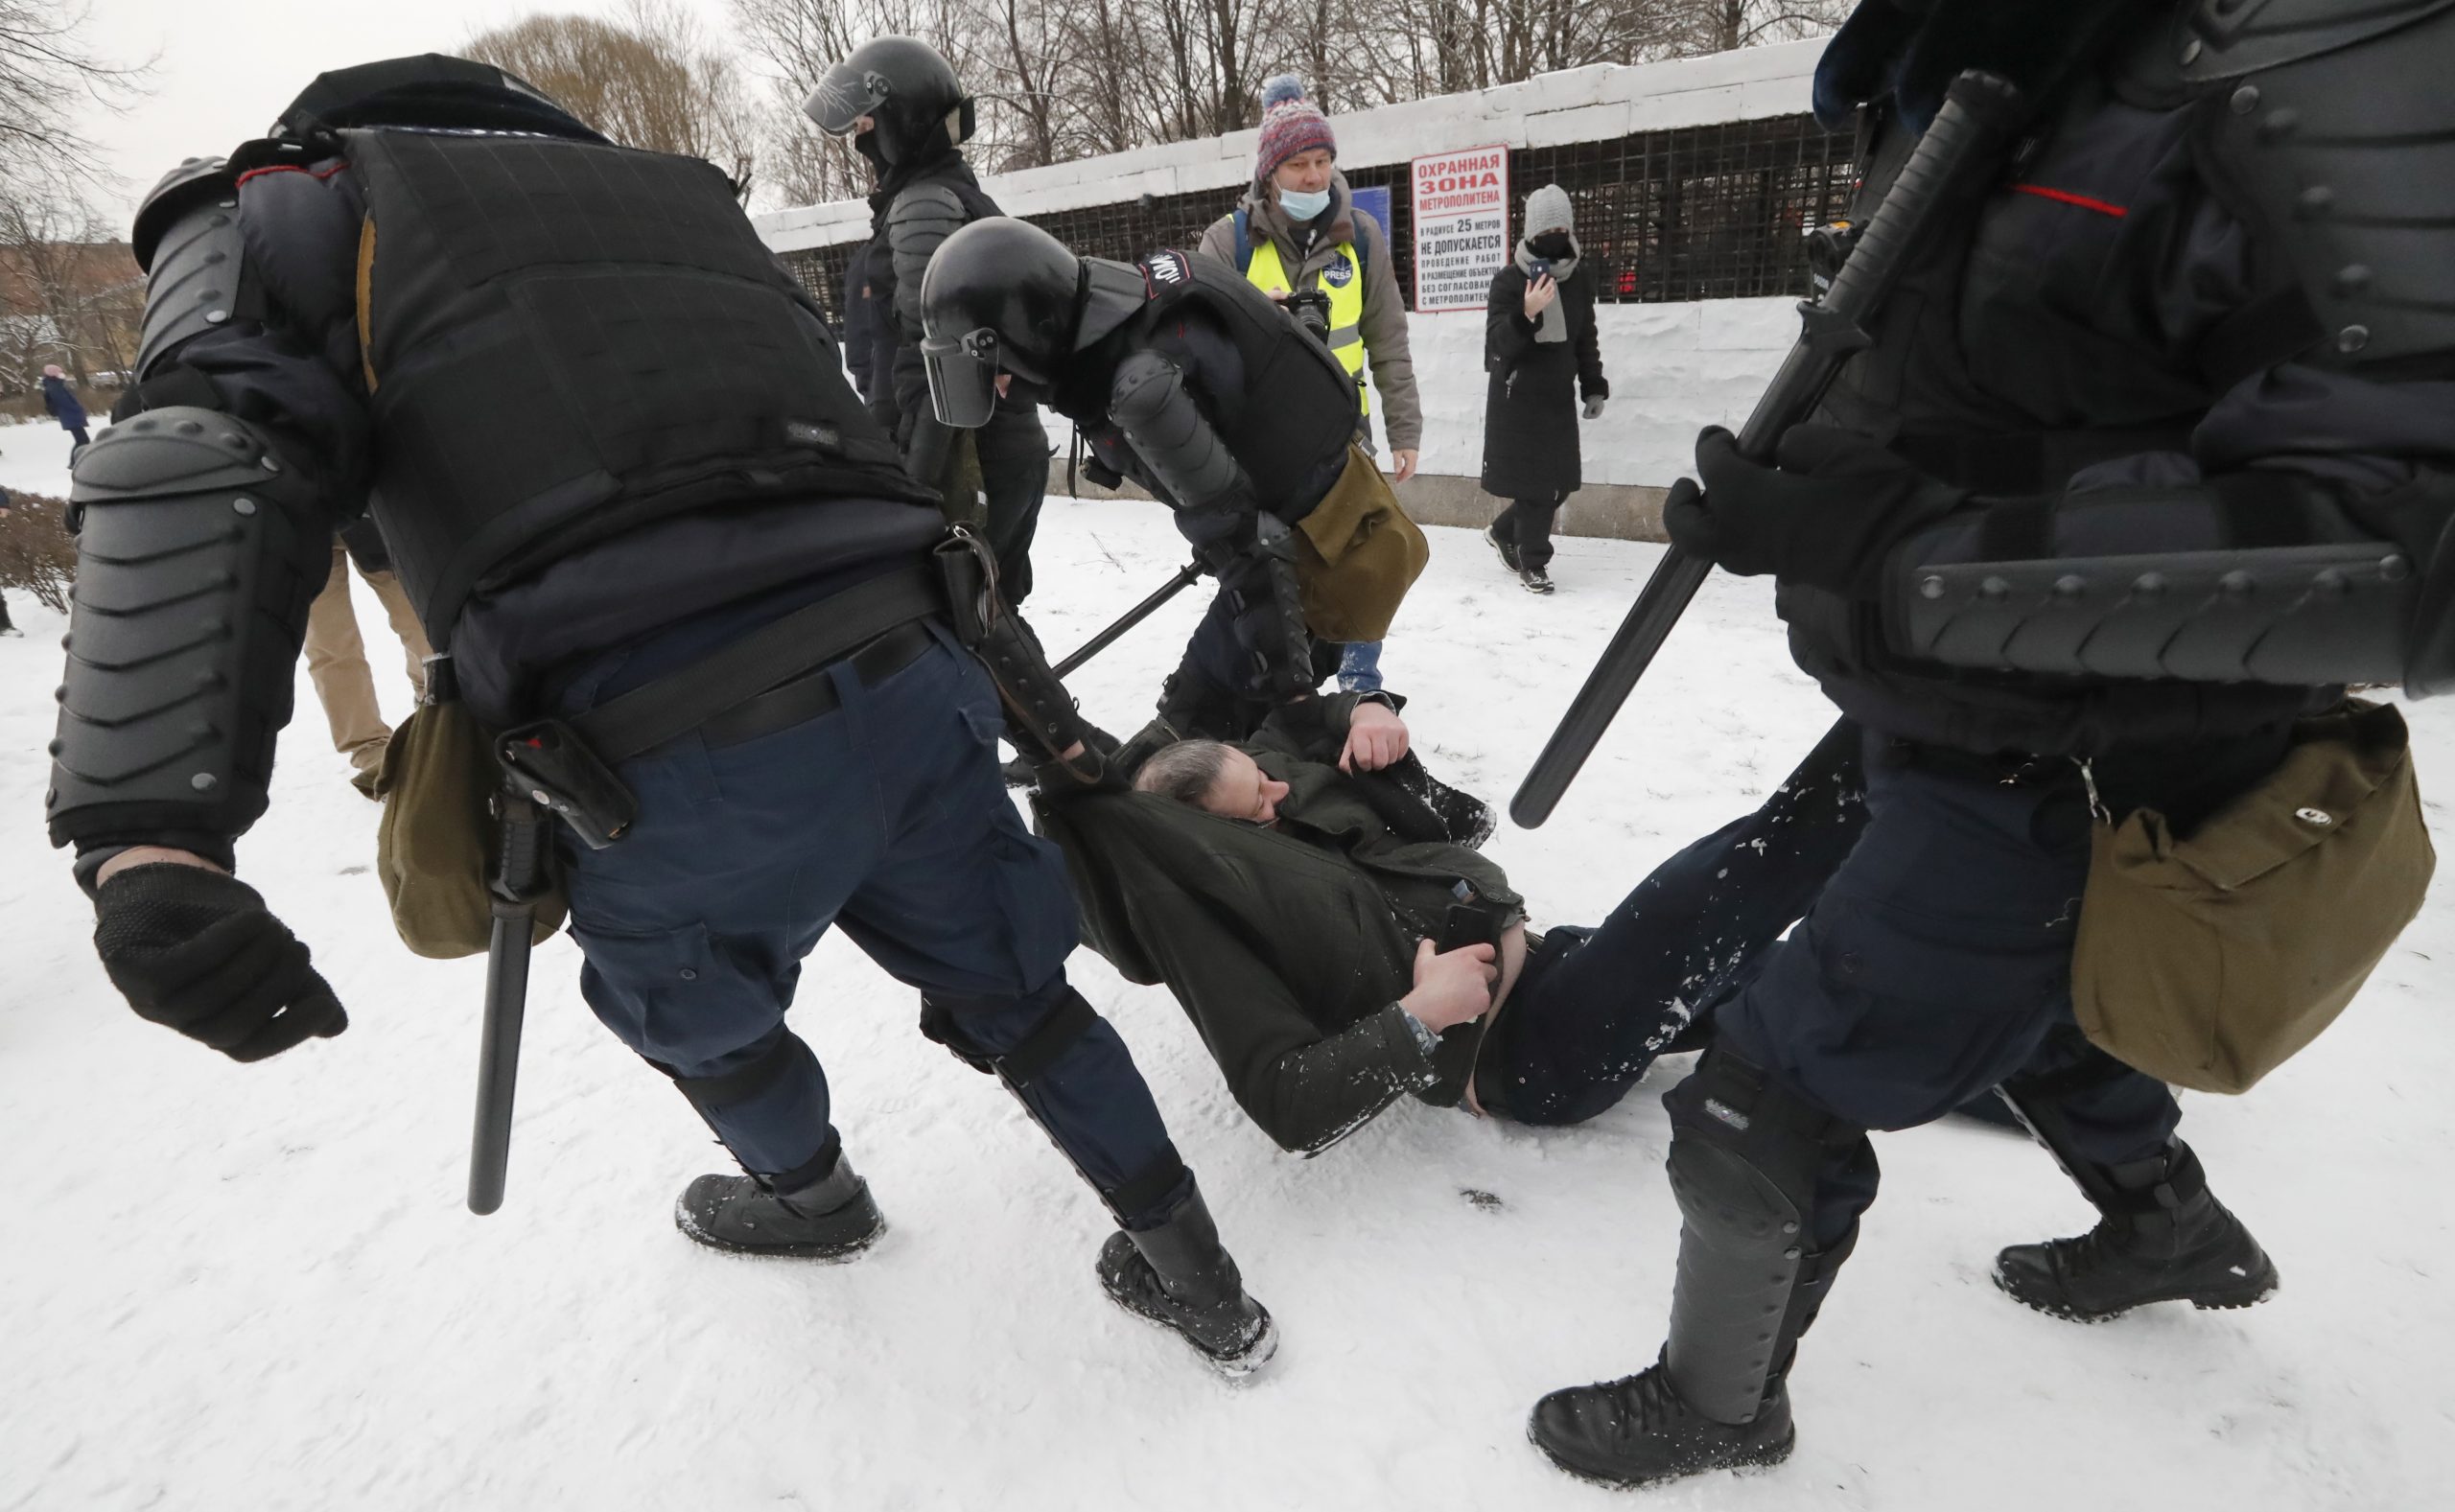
[{"x": 1461, "y": 226}]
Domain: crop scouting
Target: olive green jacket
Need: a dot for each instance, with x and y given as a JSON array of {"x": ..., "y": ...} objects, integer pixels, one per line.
[{"x": 1288, "y": 947}]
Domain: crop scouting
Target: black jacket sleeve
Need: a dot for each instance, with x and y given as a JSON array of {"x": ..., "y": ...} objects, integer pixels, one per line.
[
  {"x": 1590, "y": 381},
  {"x": 1307, "y": 1089},
  {"x": 1507, "y": 335}
]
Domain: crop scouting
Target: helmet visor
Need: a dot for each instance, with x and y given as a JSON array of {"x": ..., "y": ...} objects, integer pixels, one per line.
[
  {"x": 844, "y": 96},
  {"x": 962, "y": 377}
]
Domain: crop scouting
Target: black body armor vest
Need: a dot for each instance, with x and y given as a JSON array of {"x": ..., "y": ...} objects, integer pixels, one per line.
[
  {"x": 2006, "y": 363},
  {"x": 1298, "y": 409},
  {"x": 564, "y": 342}
]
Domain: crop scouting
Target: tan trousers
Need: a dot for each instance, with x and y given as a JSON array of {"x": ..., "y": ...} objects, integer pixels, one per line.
[{"x": 336, "y": 660}]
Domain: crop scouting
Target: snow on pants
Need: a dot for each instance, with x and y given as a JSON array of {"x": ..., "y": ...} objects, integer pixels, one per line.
[
  {"x": 1580, "y": 1031},
  {"x": 1936, "y": 965},
  {"x": 887, "y": 817}
]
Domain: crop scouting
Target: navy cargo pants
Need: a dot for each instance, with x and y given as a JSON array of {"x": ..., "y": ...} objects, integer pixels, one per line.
[
  {"x": 887, "y": 818},
  {"x": 1937, "y": 961}
]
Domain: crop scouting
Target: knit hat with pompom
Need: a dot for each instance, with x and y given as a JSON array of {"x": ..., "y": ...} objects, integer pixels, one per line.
[{"x": 1291, "y": 124}]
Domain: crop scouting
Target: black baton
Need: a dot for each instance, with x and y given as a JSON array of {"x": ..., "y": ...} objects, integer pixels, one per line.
[
  {"x": 520, "y": 878},
  {"x": 1958, "y": 151},
  {"x": 1185, "y": 579}
]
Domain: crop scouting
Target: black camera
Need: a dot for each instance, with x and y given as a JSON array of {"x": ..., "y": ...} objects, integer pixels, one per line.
[{"x": 1311, "y": 309}]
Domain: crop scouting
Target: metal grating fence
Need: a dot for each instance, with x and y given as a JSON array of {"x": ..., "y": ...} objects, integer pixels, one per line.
[{"x": 1706, "y": 212}]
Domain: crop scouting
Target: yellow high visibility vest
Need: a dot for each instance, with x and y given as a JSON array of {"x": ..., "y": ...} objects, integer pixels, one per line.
[{"x": 1343, "y": 282}]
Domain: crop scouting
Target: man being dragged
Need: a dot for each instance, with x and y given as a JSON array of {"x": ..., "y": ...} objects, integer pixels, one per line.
[{"x": 1315, "y": 902}]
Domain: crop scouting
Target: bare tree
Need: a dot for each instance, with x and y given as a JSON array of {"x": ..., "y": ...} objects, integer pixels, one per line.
[
  {"x": 47, "y": 74},
  {"x": 650, "y": 81},
  {"x": 1064, "y": 79},
  {"x": 69, "y": 292}
]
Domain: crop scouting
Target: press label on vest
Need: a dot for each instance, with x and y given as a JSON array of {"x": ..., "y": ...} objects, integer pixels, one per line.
[
  {"x": 810, "y": 432},
  {"x": 1716, "y": 1108},
  {"x": 1339, "y": 274}
]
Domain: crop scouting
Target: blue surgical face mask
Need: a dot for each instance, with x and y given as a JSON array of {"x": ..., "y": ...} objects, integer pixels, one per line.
[{"x": 1300, "y": 205}]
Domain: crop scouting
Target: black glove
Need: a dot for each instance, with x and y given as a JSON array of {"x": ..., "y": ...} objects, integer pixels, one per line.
[
  {"x": 196, "y": 949},
  {"x": 1825, "y": 516}
]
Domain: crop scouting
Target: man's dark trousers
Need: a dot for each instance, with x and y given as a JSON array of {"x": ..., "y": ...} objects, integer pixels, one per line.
[
  {"x": 887, "y": 817},
  {"x": 1937, "y": 964},
  {"x": 1579, "y": 1032}
]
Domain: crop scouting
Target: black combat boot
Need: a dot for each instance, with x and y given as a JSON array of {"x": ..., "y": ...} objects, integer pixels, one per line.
[
  {"x": 2164, "y": 1238},
  {"x": 1743, "y": 1157},
  {"x": 1177, "y": 1276},
  {"x": 1639, "y": 1428},
  {"x": 829, "y": 1219}
]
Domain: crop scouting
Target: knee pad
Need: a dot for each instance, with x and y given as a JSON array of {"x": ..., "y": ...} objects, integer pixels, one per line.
[
  {"x": 1135, "y": 1198},
  {"x": 1744, "y": 1157},
  {"x": 784, "y": 1054},
  {"x": 1068, "y": 1019}
]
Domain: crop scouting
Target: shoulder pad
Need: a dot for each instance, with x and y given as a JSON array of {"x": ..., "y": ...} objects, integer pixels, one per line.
[
  {"x": 2334, "y": 157},
  {"x": 193, "y": 182},
  {"x": 2234, "y": 38},
  {"x": 1112, "y": 293},
  {"x": 193, "y": 270},
  {"x": 923, "y": 203}
]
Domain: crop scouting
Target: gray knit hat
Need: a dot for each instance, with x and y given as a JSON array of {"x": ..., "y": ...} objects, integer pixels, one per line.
[{"x": 1548, "y": 209}]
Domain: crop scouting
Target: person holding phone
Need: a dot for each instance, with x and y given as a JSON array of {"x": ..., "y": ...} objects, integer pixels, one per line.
[{"x": 1539, "y": 348}]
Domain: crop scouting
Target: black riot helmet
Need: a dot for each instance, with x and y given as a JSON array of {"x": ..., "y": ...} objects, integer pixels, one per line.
[
  {"x": 905, "y": 86},
  {"x": 432, "y": 90},
  {"x": 1000, "y": 297}
]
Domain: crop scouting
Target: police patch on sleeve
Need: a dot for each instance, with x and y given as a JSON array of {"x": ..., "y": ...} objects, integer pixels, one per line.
[{"x": 1167, "y": 269}]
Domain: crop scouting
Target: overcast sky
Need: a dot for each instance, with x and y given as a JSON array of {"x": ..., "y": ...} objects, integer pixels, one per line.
[{"x": 226, "y": 67}]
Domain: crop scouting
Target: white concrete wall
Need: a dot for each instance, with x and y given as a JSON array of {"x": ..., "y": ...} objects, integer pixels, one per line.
[
  {"x": 1673, "y": 368},
  {"x": 1596, "y": 104}
]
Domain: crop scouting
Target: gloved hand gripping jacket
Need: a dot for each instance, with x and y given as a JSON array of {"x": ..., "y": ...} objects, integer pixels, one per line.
[
  {"x": 199, "y": 552},
  {"x": 1038, "y": 709}
]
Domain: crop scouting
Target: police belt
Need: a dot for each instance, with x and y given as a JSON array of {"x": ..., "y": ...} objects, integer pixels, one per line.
[
  {"x": 772, "y": 679},
  {"x": 777, "y": 676}
]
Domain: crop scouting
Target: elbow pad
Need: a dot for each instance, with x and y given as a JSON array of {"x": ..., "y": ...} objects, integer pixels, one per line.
[
  {"x": 917, "y": 225},
  {"x": 198, "y": 555},
  {"x": 2305, "y": 615},
  {"x": 1160, "y": 421}
]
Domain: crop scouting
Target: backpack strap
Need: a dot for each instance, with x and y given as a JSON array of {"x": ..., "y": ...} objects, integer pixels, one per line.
[{"x": 1244, "y": 242}]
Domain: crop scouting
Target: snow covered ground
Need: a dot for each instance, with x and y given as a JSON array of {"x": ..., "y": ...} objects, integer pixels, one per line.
[{"x": 226, "y": 1286}]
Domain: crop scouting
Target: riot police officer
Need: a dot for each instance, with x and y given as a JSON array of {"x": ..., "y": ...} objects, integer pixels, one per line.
[
  {"x": 2148, "y": 457},
  {"x": 899, "y": 100},
  {"x": 1191, "y": 381},
  {"x": 614, "y": 454}
]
